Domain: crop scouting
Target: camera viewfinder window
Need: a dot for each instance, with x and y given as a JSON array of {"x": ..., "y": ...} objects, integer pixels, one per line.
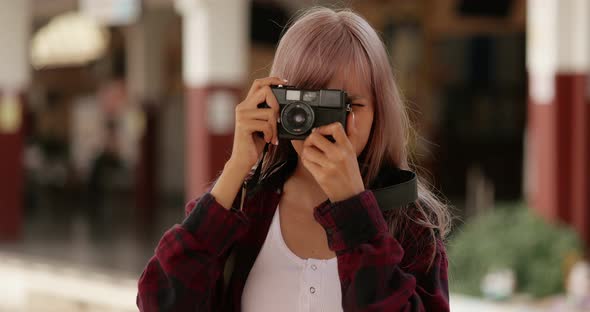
[
  {"x": 293, "y": 95},
  {"x": 309, "y": 96},
  {"x": 331, "y": 98}
]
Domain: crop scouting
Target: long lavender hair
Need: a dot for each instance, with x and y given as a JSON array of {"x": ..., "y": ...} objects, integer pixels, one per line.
[{"x": 317, "y": 44}]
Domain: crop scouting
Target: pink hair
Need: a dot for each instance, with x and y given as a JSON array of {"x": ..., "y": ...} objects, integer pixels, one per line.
[{"x": 321, "y": 42}]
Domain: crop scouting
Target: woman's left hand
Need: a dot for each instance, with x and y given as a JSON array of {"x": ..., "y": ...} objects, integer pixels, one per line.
[{"x": 333, "y": 165}]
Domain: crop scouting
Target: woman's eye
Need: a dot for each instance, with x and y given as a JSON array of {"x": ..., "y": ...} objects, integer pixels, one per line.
[{"x": 358, "y": 105}]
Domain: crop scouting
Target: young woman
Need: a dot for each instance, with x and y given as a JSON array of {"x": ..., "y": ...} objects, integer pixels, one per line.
[{"x": 310, "y": 236}]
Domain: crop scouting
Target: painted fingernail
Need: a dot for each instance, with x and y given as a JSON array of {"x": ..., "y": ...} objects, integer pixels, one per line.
[
  {"x": 276, "y": 141},
  {"x": 285, "y": 80}
]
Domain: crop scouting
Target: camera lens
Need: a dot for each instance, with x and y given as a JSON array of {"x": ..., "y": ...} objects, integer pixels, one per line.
[{"x": 297, "y": 118}]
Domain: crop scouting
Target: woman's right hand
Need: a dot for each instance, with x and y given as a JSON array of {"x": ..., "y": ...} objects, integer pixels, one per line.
[{"x": 250, "y": 119}]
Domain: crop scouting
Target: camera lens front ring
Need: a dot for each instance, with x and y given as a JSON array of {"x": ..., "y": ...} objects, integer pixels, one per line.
[{"x": 297, "y": 118}]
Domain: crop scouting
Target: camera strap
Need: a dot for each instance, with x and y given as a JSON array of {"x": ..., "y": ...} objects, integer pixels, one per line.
[{"x": 253, "y": 181}]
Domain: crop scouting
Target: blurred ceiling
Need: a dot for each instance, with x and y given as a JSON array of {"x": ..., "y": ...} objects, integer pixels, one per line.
[
  {"x": 45, "y": 8},
  {"x": 451, "y": 17}
]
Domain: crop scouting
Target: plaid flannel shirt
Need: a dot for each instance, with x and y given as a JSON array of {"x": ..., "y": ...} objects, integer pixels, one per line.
[{"x": 377, "y": 271}]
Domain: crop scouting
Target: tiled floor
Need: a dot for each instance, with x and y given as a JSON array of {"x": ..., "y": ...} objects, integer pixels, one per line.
[
  {"x": 72, "y": 258},
  {"x": 31, "y": 284},
  {"x": 112, "y": 238}
]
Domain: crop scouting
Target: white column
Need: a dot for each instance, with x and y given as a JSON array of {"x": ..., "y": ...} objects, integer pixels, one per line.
[
  {"x": 145, "y": 43},
  {"x": 15, "y": 29},
  {"x": 215, "y": 36}
]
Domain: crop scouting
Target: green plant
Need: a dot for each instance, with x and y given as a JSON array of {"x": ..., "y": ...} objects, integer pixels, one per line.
[{"x": 511, "y": 236}]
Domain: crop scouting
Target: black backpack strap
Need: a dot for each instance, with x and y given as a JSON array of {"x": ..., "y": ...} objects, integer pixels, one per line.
[{"x": 397, "y": 195}]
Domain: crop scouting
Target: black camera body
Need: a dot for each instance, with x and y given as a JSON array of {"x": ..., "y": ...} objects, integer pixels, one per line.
[{"x": 302, "y": 110}]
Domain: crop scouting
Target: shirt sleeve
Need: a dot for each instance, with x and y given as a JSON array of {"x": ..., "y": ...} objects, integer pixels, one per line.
[
  {"x": 185, "y": 274},
  {"x": 369, "y": 261}
]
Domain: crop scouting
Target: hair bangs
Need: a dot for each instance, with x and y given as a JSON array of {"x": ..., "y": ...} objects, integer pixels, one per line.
[{"x": 310, "y": 54}]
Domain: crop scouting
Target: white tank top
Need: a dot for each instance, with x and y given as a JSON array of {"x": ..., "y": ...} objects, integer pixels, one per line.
[{"x": 281, "y": 281}]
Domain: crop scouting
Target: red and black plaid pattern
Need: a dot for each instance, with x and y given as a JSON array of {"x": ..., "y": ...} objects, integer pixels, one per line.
[
  {"x": 377, "y": 272},
  {"x": 371, "y": 260}
]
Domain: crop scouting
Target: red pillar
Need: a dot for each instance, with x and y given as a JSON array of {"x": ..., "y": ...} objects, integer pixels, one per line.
[
  {"x": 580, "y": 161},
  {"x": 549, "y": 179},
  {"x": 146, "y": 173},
  {"x": 207, "y": 150},
  {"x": 558, "y": 61},
  {"x": 11, "y": 171}
]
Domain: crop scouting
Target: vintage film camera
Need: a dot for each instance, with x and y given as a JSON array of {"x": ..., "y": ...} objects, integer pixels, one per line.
[{"x": 302, "y": 110}]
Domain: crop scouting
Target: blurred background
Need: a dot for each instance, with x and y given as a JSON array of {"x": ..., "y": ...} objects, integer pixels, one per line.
[{"x": 113, "y": 113}]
